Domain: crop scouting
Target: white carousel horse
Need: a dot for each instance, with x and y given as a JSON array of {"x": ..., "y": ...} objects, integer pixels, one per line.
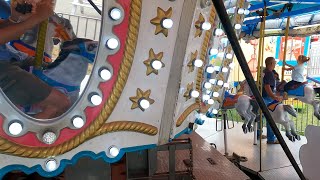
[{"x": 59, "y": 30}]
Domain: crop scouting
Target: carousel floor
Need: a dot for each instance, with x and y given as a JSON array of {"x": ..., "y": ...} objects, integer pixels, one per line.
[{"x": 275, "y": 164}]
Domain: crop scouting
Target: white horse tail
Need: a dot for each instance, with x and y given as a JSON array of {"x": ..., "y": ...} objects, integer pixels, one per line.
[{"x": 290, "y": 110}]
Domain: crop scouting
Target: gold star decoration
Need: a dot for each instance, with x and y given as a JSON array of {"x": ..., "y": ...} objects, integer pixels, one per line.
[
  {"x": 193, "y": 58},
  {"x": 153, "y": 57},
  {"x": 161, "y": 15},
  {"x": 198, "y": 25},
  {"x": 187, "y": 93},
  {"x": 140, "y": 96}
]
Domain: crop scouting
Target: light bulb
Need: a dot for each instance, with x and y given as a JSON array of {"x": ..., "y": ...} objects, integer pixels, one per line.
[
  {"x": 218, "y": 32},
  {"x": 115, "y": 14},
  {"x": 195, "y": 94},
  {"x": 213, "y": 51},
  {"x": 212, "y": 81},
  {"x": 207, "y": 85},
  {"x": 51, "y": 165},
  {"x": 105, "y": 74},
  {"x": 210, "y": 101},
  {"x": 246, "y": 12},
  {"x": 226, "y": 85},
  {"x": 112, "y": 43},
  {"x": 229, "y": 56},
  {"x": 220, "y": 83},
  {"x": 210, "y": 69},
  {"x": 167, "y": 23},
  {"x": 15, "y": 128},
  {"x": 145, "y": 104},
  {"x": 206, "y": 26},
  {"x": 225, "y": 70},
  {"x": 114, "y": 151},
  {"x": 231, "y": 65},
  {"x": 205, "y": 97},
  {"x": 217, "y": 68},
  {"x": 198, "y": 63},
  {"x": 240, "y": 11},
  {"x": 96, "y": 99},
  {"x": 78, "y": 122},
  {"x": 214, "y": 111},
  {"x": 221, "y": 54},
  {"x": 49, "y": 137},
  {"x": 215, "y": 94},
  {"x": 237, "y": 26},
  {"x": 156, "y": 64}
]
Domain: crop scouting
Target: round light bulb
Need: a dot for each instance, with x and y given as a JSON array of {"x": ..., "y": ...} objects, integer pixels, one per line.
[
  {"x": 218, "y": 32},
  {"x": 96, "y": 99},
  {"x": 207, "y": 85},
  {"x": 240, "y": 11},
  {"x": 115, "y": 14},
  {"x": 167, "y": 23},
  {"x": 206, "y": 26},
  {"x": 206, "y": 97},
  {"x": 210, "y": 69},
  {"x": 225, "y": 70},
  {"x": 220, "y": 83},
  {"x": 105, "y": 74},
  {"x": 229, "y": 56},
  {"x": 210, "y": 101},
  {"x": 215, "y": 94},
  {"x": 226, "y": 85},
  {"x": 49, "y": 137},
  {"x": 246, "y": 12},
  {"x": 212, "y": 81},
  {"x": 15, "y": 128},
  {"x": 214, "y": 111},
  {"x": 51, "y": 165},
  {"x": 198, "y": 63},
  {"x": 221, "y": 54},
  {"x": 231, "y": 65},
  {"x": 145, "y": 104},
  {"x": 237, "y": 26},
  {"x": 224, "y": 40},
  {"x": 213, "y": 51},
  {"x": 156, "y": 64},
  {"x": 217, "y": 68},
  {"x": 78, "y": 122},
  {"x": 112, "y": 43},
  {"x": 114, "y": 151},
  {"x": 195, "y": 94}
]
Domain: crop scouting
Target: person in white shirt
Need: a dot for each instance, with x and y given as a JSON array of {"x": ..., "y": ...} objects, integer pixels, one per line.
[{"x": 297, "y": 74}]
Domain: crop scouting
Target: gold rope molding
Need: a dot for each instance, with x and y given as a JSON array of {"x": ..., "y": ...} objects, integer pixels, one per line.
[
  {"x": 44, "y": 152},
  {"x": 186, "y": 113},
  {"x": 128, "y": 126}
]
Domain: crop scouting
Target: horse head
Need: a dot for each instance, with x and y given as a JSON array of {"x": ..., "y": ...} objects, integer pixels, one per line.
[{"x": 61, "y": 29}]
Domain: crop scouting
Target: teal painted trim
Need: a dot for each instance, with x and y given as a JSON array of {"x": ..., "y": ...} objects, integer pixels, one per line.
[
  {"x": 307, "y": 46},
  {"x": 278, "y": 47},
  {"x": 65, "y": 162},
  {"x": 185, "y": 131}
]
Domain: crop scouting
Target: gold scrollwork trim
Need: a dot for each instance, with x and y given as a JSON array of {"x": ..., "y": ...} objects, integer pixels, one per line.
[
  {"x": 186, "y": 113},
  {"x": 36, "y": 152},
  {"x": 128, "y": 126}
]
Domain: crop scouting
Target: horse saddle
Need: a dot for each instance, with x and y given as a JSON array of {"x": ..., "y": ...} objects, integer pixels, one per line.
[
  {"x": 297, "y": 90},
  {"x": 230, "y": 99},
  {"x": 273, "y": 105}
]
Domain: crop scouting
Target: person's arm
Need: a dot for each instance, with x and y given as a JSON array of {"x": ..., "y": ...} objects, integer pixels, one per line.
[
  {"x": 10, "y": 31},
  {"x": 290, "y": 67},
  {"x": 270, "y": 93}
]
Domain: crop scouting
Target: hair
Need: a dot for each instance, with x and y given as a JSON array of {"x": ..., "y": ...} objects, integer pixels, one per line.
[
  {"x": 269, "y": 60},
  {"x": 303, "y": 58}
]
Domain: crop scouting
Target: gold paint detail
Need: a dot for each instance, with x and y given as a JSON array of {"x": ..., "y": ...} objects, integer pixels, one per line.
[
  {"x": 11, "y": 148},
  {"x": 204, "y": 50},
  {"x": 128, "y": 126},
  {"x": 140, "y": 96},
  {"x": 198, "y": 25},
  {"x": 191, "y": 62},
  {"x": 186, "y": 113},
  {"x": 149, "y": 61},
  {"x": 187, "y": 94},
  {"x": 161, "y": 15}
]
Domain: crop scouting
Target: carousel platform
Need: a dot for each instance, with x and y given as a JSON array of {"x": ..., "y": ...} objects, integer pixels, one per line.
[{"x": 275, "y": 164}]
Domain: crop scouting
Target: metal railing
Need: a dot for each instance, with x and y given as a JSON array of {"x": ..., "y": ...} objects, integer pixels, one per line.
[{"x": 84, "y": 27}]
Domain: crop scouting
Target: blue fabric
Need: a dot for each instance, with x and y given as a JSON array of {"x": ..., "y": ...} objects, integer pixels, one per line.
[
  {"x": 268, "y": 78},
  {"x": 4, "y": 9},
  {"x": 270, "y": 135},
  {"x": 8, "y": 53},
  {"x": 297, "y": 92}
]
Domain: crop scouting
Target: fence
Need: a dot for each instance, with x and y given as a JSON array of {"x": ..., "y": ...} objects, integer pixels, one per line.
[{"x": 84, "y": 27}]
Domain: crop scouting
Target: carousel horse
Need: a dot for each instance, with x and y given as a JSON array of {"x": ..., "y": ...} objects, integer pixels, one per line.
[{"x": 59, "y": 30}]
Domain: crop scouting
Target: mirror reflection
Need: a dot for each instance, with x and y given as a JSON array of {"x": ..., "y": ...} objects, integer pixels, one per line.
[{"x": 45, "y": 57}]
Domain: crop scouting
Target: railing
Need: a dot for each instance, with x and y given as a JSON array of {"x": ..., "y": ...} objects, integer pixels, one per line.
[{"x": 84, "y": 27}]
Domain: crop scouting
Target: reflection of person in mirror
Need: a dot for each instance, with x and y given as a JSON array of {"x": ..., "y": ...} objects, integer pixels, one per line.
[{"x": 21, "y": 87}]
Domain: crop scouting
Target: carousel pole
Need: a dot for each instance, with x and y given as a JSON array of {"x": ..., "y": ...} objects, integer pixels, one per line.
[{"x": 221, "y": 11}]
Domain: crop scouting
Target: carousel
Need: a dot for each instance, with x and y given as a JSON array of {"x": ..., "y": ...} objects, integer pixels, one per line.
[{"x": 137, "y": 92}]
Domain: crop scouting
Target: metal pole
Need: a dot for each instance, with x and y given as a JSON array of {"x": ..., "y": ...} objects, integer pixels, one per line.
[
  {"x": 224, "y": 116},
  {"x": 224, "y": 18}
]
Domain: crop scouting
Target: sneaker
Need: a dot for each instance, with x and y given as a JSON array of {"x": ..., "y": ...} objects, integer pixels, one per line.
[{"x": 273, "y": 142}]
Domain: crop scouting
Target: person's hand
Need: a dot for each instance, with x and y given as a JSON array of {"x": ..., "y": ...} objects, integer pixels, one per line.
[
  {"x": 17, "y": 16},
  {"x": 44, "y": 9}
]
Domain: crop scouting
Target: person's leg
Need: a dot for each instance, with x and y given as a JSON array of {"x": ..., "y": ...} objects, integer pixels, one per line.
[{"x": 270, "y": 135}]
